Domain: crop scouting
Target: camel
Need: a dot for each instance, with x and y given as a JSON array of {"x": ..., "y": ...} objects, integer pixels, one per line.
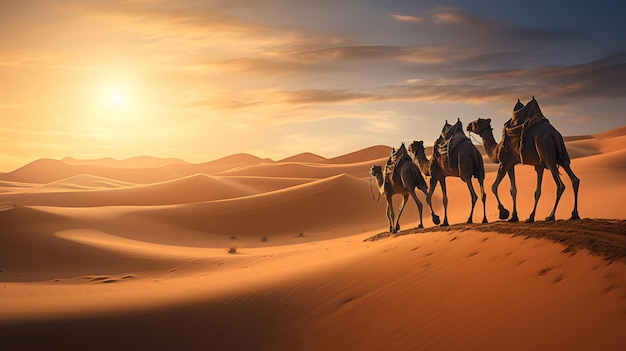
[
  {"x": 461, "y": 160},
  {"x": 539, "y": 144},
  {"x": 403, "y": 181}
]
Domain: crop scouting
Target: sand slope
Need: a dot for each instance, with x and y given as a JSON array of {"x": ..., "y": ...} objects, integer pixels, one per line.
[{"x": 244, "y": 253}]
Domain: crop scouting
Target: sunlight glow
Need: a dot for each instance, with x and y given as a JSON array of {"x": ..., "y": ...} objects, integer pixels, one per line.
[
  {"x": 116, "y": 98},
  {"x": 117, "y": 106}
]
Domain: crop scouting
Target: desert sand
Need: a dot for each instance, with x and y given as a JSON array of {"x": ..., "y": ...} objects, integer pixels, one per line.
[{"x": 245, "y": 253}]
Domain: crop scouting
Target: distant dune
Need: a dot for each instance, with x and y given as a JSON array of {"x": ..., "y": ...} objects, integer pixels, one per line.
[
  {"x": 304, "y": 157},
  {"x": 367, "y": 154},
  {"x": 133, "y": 162},
  {"x": 617, "y": 132},
  {"x": 246, "y": 253},
  {"x": 87, "y": 181}
]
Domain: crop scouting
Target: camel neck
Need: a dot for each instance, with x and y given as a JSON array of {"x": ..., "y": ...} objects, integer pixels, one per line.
[
  {"x": 380, "y": 182},
  {"x": 490, "y": 144},
  {"x": 422, "y": 161}
]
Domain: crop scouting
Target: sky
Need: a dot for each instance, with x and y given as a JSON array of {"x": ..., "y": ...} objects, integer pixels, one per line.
[{"x": 200, "y": 80}]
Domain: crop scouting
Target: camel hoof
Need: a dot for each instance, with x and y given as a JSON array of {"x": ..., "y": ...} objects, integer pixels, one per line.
[
  {"x": 514, "y": 219},
  {"x": 420, "y": 226},
  {"x": 550, "y": 219},
  {"x": 436, "y": 219},
  {"x": 444, "y": 224},
  {"x": 485, "y": 220},
  {"x": 504, "y": 213},
  {"x": 575, "y": 216},
  {"x": 469, "y": 221},
  {"x": 530, "y": 220}
]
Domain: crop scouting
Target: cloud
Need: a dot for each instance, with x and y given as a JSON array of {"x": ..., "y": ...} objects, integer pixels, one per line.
[
  {"x": 451, "y": 84},
  {"x": 596, "y": 79},
  {"x": 459, "y": 18},
  {"x": 321, "y": 96},
  {"x": 406, "y": 18},
  {"x": 351, "y": 53},
  {"x": 603, "y": 78},
  {"x": 459, "y": 27},
  {"x": 261, "y": 66},
  {"x": 379, "y": 125}
]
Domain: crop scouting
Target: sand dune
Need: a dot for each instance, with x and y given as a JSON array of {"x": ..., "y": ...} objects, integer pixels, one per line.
[
  {"x": 133, "y": 162},
  {"x": 304, "y": 157},
  {"x": 195, "y": 188},
  {"x": 299, "y": 209},
  {"x": 305, "y": 170},
  {"x": 246, "y": 253},
  {"x": 617, "y": 132},
  {"x": 45, "y": 171},
  {"x": 87, "y": 181},
  {"x": 609, "y": 160},
  {"x": 367, "y": 154}
]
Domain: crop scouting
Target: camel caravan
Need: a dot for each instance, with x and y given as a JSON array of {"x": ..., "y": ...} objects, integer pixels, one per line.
[{"x": 527, "y": 138}]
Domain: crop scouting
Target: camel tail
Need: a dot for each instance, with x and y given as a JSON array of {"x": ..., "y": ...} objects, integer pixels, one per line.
[
  {"x": 421, "y": 182},
  {"x": 479, "y": 165},
  {"x": 562, "y": 155}
]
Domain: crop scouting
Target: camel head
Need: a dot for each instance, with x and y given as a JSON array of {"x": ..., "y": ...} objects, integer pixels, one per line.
[
  {"x": 376, "y": 171},
  {"x": 480, "y": 125},
  {"x": 416, "y": 146}
]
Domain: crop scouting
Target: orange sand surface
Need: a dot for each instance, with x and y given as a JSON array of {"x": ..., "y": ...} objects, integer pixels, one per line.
[{"x": 244, "y": 253}]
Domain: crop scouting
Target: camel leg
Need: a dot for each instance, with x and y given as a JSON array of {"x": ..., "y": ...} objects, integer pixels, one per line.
[
  {"x": 504, "y": 213},
  {"x": 539, "y": 169},
  {"x": 400, "y": 209},
  {"x": 575, "y": 184},
  {"x": 560, "y": 188},
  {"x": 483, "y": 196},
  {"x": 511, "y": 173},
  {"x": 430, "y": 204},
  {"x": 429, "y": 200},
  {"x": 445, "y": 201},
  {"x": 420, "y": 207},
  {"x": 390, "y": 213},
  {"x": 470, "y": 186}
]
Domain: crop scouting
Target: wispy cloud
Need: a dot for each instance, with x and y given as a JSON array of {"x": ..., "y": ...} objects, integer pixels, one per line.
[
  {"x": 317, "y": 96},
  {"x": 406, "y": 18},
  {"x": 351, "y": 53}
]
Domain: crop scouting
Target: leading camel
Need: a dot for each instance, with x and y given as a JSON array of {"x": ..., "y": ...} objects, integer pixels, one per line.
[
  {"x": 403, "y": 181},
  {"x": 461, "y": 160},
  {"x": 539, "y": 144}
]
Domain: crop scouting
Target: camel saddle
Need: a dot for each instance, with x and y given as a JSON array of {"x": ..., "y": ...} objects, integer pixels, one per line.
[
  {"x": 524, "y": 119},
  {"x": 396, "y": 159},
  {"x": 452, "y": 135}
]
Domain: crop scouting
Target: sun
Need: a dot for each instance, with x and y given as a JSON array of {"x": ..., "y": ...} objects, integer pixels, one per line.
[
  {"x": 118, "y": 102},
  {"x": 118, "y": 99}
]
